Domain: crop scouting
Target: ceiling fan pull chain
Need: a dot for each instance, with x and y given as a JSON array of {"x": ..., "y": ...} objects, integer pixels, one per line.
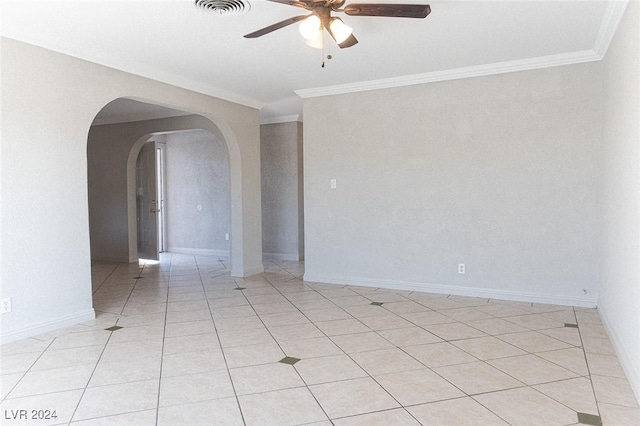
[
  {"x": 329, "y": 56},
  {"x": 323, "y": 47}
]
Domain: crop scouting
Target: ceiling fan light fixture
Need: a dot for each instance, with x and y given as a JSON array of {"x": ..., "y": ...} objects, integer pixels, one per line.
[
  {"x": 310, "y": 27},
  {"x": 318, "y": 42},
  {"x": 340, "y": 30}
]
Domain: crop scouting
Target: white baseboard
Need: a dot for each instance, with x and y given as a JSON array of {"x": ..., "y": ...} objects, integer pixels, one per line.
[
  {"x": 586, "y": 302},
  {"x": 47, "y": 326},
  {"x": 198, "y": 252},
  {"x": 246, "y": 272},
  {"x": 284, "y": 256},
  {"x": 631, "y": 370}
]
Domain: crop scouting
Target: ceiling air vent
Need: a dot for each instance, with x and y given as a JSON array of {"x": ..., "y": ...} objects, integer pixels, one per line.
[{"x": 224, "y": 7}]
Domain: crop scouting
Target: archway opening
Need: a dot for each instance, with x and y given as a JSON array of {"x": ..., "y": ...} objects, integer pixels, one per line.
[
  {"x": 202, "y": 189},
  {"x": 182, "y": 198}
]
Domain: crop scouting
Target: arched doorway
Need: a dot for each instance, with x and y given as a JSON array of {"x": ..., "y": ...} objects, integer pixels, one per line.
[
  {"x": 112, "y": 152},
  {"x": 182, "y": 195}
]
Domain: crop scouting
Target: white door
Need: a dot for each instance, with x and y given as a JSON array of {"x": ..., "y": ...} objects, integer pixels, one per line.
[{"x": 147, "y": 202}]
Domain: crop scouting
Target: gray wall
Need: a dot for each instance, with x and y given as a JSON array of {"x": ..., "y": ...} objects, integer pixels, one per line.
[
  {"x": 282, "y": 190},
  {"x": 497, "y": 172},
  {"x": 619, "y": 301},
  {"x": 108, "y": 148},
  {"x": 197, "y": 173}
]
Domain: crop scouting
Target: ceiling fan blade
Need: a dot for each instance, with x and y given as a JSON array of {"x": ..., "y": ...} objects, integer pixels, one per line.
[
  {"x": 276, "y": 26},
  {"x": 391, "y": 10},
  {"x": 348, "y": 42}
]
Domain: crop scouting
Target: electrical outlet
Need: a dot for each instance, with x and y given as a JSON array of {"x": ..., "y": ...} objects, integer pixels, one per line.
[
  {"x": 461, "y": 268},
  {"x": 226, "y": 237},
  {"x": 5, "y": 305},
  {"x": 334, "y": 184}
]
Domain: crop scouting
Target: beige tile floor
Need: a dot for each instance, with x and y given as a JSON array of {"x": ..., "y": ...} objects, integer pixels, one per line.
[{"x": 200, "y": 347}]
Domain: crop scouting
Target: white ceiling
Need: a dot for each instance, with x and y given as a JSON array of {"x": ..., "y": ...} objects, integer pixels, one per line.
[{"x": 175, "y": 42}]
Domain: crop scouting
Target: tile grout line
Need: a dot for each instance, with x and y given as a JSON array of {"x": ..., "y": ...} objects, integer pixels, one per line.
[
  {"x": 347, "y": 355},
  {"x": 90, "y": 377},
  {"x": 417, "y": 360},
  {"x": 28, "y": 370},
  {"x": 524, "y": 385},
  {"x": 397, "y": 347},
  {"x": 306, "y": 385},
  {"x": 103, "y": 281},
  {"x": 586, "y": 361},
  {"x": 533, "y": 388},
  {"x": 100, "y": 357},
  {"x": 368, "y": 296},
  {"x": 457, "y": 321},
  {"x": 164, "y": 332},
  {"x": 224, "y": 357}
]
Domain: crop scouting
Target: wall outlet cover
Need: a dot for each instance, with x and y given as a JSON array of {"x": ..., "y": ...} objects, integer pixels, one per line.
[{"x": 5, "y": 305}]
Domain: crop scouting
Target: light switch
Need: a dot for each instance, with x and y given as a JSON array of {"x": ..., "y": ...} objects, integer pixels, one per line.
[{"x": 333, "y": 184}]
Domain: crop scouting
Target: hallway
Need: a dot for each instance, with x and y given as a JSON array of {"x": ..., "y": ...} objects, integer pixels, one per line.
[{"x": 181, "y": 342}]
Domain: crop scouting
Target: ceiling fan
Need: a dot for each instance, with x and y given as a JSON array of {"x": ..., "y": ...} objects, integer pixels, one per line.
[{"x": 320, "y": 18}]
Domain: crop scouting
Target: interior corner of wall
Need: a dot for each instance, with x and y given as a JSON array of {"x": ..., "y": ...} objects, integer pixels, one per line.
[{"x": 628, "y": 361}]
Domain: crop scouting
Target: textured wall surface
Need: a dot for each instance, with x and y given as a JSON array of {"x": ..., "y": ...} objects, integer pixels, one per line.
[
  {"x": 497, "y": 172},
  {"x": 107, "y": 152},
  {"x": 282, "y": 190},
  {"x": 619, "y": 302},
  {"x": 197, "y": 174}
]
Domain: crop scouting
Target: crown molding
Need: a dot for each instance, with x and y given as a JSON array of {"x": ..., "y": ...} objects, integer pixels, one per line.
[
  {"x": 153, "y": 74},
  {"x": 281, "y": 119},
  {"x": 612, "y": 17},
  {"x": 454, "y": 74}
]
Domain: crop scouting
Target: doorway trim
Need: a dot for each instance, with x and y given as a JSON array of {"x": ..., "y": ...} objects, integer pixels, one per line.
[{"x": 161, "y": 190}]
